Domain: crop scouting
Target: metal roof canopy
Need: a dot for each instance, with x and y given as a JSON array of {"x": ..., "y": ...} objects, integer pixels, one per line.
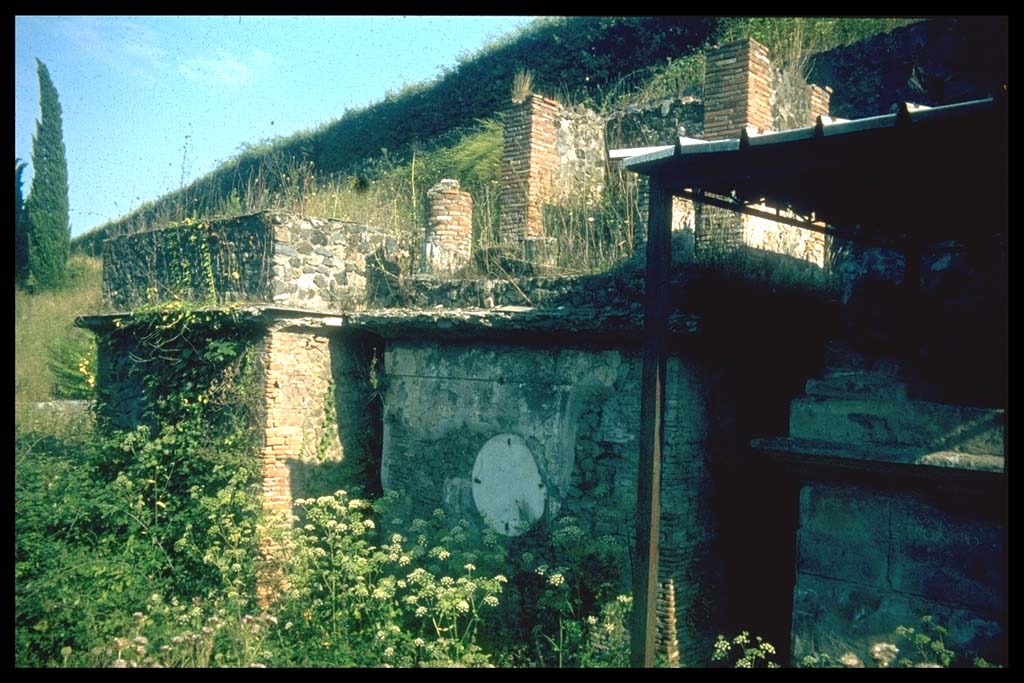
[
  {"x": 913, "y": 180},
  {"x": 920, "y": 176}
]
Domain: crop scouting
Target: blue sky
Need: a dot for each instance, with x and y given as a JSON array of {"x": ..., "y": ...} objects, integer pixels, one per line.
[{"x": 151, "y": 101}]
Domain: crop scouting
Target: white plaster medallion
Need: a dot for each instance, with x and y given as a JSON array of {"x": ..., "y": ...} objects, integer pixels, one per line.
[{"x": 507, "y": 488}]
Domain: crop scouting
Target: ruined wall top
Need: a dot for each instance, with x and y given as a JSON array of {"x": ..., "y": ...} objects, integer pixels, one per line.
[{"x": 271, "y": 257}]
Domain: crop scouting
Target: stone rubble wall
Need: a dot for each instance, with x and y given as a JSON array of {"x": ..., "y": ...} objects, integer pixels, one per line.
[
  {"x": 326, "y": 265},
  {"x": 762, "y": 233},
  {"x": 660, "y": 124},
  {"x": 282, "y": 258},
  {"x": 796, "y": 103},
  {"x": 622, "y": 289},
  {"x": 582, "y": 157}
]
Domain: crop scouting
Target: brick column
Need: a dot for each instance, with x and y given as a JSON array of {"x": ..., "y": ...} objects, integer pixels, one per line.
[
  {"x": 737, "y": 90},
  {"x": 818, "y": 101},
  {"x": 297, "y": 376},
  {"x": 449, "y": 236},
  {"x": 528, "y": 165},
  {"x": 296, "y": 380},
  {"x": 737, "y": 96}
]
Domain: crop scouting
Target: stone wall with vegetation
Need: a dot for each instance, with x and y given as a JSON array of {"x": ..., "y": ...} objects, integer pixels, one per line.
[
  {"x": 940, "y": 61},
  {"x": 577, "y": 412},
  {"x": 221, "y": 261},
  {"x": 660, "y": 124},
  {"x": 270, "y": 257}
]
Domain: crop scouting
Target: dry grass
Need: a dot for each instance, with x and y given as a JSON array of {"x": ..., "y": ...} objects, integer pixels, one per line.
[
  {"x": 42, "y": 319},
  {"x": 522, "y": 85}
]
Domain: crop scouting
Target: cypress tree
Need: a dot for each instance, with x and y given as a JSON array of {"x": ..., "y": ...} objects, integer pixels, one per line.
[
  {"x": 46, "y": 209},
  {"x": 20, "y": 232}
]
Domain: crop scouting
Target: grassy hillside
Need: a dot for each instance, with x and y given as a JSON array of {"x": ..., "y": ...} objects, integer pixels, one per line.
[
  {"x": 347, "y": 168},
  {"x": 575, "y": 57},
  {"x": 48, "y": 349}
]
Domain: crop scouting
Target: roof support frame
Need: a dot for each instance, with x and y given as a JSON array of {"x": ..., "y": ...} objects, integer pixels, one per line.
[{"x": 825, "y": 229}]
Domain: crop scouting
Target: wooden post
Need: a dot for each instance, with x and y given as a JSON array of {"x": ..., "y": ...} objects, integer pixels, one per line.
[{"x": 652, "y": 427}]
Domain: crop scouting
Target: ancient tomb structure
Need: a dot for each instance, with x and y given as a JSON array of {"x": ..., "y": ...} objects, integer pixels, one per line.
[
  {"x": 514, "y": 403},
  {"x": 898, "y": 496},
  {"x": 512, "y": 416}
]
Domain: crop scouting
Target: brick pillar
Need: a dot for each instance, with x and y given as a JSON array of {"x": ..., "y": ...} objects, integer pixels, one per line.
[
  {"x": 296, "y": 383},
  {"x": 297, "y": 380},
  {"x": 449, "y": 236},
  {"x": 737, "y": 90},
  {"x": 818, "y": 101},
  {"x": 737, "y": 95},
  {"x": 528, "y": 166}
]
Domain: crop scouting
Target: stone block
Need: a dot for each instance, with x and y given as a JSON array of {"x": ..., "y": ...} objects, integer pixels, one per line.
[
  {"x": 914, "y": 423},
  {"x": 947, "y": 555},
  {"x": 863, "y": 385},
  {"x": 843, "y": 534}
]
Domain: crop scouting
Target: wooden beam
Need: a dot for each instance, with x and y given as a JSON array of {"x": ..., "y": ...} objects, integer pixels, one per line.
[{"x": 652, "y": 427}]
